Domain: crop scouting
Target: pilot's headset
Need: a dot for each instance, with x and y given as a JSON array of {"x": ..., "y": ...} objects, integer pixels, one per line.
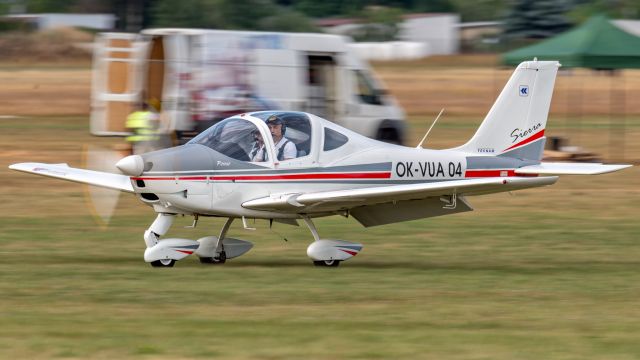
[{"x": 274, "y": 119}]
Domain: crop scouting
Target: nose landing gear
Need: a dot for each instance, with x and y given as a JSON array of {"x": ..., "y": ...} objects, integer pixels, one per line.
[{"x": 163, "y": 263}]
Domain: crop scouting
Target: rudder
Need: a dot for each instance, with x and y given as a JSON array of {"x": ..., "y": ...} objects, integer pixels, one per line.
[{"x": 515, "y": 125}]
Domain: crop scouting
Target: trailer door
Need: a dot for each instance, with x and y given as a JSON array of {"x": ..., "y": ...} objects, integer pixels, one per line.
[{"x": 117, "y": 81}]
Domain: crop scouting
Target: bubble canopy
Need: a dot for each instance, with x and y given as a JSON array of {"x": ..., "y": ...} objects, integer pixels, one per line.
[{"x": 239, "y": 138}]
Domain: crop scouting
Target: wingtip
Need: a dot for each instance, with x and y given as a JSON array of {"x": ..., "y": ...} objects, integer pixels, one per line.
[
  {"x": 18, "y": 166},
  {"x": 615, "y": 167}
]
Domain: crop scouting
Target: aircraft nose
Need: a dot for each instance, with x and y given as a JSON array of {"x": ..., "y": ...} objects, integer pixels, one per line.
[{"x": 132, "y": 165}]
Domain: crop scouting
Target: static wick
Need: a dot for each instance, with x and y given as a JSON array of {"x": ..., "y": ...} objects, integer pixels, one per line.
[{"x": 428, "y": 131}]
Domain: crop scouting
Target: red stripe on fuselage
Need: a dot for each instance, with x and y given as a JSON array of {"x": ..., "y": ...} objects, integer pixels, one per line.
[
  {"x": 317, "y": 176},
  {"x": 313, "y": 176},
  {"x": 494, "y": 173},
  {"x": 171, "y": 178},
  {"x": 532, "y": 138},
  {"x": 193, "y": 178}
]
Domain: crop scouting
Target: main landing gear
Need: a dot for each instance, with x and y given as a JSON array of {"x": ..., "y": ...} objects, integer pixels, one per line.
[
  {"x": 329, "y": 253},
  {"x": 211, "y": 249}
]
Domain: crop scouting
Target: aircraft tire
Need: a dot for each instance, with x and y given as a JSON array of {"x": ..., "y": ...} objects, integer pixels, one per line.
[
  {"x": 211, "y": 260},
  {"x": 163, "y": 263},
  {"x": 327, "y": 263}
]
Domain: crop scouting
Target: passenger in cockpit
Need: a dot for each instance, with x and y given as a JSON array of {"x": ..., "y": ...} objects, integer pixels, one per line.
[
  {"x": 258, "y": 152},
  {"x": 285, "y": 148}
]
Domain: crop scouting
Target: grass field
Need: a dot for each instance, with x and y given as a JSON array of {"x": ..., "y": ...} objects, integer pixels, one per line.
[{"x": 547, "y": 273}]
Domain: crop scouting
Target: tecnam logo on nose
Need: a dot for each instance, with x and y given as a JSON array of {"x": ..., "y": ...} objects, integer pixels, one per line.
[{"x": 518, "y": 134}]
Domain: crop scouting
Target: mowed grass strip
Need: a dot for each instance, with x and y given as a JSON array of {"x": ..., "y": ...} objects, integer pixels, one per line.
[{"x": 545, "y": 273}]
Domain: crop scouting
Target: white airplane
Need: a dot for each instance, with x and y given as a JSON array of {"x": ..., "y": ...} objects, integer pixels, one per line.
[{"x": 329, "y": 171}]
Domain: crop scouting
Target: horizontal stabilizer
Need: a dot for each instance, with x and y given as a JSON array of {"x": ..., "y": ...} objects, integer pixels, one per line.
[
  {"x": 559, "y": 168},
  {"x": 64, "y": 172}
]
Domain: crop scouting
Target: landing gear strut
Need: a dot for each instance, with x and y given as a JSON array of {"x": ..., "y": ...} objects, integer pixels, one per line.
[{"x": 214, "y": 246}]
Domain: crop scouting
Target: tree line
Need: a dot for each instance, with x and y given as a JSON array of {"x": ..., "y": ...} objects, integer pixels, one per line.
[{"x": 520, "y": 18}]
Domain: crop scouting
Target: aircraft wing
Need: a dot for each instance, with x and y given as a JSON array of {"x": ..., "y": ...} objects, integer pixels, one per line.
[
  {"x": 64, "y": 172},
  {"x": 327, "y": 201},
  {"x": 560, "y": 168}
]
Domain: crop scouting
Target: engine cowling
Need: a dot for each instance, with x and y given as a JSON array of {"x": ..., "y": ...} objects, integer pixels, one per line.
[{"x": 327, "y": 250}]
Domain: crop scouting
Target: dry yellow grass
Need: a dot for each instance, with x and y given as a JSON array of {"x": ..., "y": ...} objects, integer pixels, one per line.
[
  {"x": 421, "y": 88},
  {"x": 50, "y": 92},
  {"x": 472, "y": 90}
]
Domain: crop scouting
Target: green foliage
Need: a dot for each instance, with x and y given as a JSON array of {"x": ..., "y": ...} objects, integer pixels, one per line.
[
  {"x": 246, "y": 14},
  {"x": 436, "y": 5},
  {"x": 49, "y": 6},
  {"x": 583, "y": 10},
  {"x": 380, "y": 24},
  {"x": 332, "y": 8},
  {"x": 229, "y": 14},
  {"x": 480, "y": 10},
  {"x": 536, "y": 19},
  {"x": 289, "y": 21},
  {"x": 190, "y": 13}
]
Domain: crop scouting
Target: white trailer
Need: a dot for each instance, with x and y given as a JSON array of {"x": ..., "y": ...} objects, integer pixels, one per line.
[{"x": 198, "y": 77}]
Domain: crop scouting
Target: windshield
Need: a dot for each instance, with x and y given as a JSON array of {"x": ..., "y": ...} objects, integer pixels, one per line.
[{"x": 233, "y": 137}]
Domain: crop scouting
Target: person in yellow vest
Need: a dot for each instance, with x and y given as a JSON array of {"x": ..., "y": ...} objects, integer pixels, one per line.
[{"x": 143, "y": 124}]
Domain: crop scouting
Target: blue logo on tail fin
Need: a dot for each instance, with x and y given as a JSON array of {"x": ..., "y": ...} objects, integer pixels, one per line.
[{"x": 524, "y": 90}]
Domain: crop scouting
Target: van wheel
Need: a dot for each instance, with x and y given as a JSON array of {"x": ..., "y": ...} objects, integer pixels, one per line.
[{"x": 389, "y": 135}]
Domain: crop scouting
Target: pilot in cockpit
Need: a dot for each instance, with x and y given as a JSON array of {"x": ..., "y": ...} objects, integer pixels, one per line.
[{"x": 285, "y": 148}]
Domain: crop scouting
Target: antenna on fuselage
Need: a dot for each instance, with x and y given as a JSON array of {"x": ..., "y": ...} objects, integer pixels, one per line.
[{"x": 428, "y": 131}]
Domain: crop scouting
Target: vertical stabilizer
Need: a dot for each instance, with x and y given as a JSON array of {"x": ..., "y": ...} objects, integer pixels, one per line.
[{"x": 514, "y": 127}]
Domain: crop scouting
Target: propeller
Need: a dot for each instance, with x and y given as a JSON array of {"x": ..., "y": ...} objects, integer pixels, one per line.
[{"x": 101, "y": 202}]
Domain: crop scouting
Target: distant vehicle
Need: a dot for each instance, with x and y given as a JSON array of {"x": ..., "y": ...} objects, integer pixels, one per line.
[
  {"x": 330, "y": 171},
  {"x": 199, "y": 77}
]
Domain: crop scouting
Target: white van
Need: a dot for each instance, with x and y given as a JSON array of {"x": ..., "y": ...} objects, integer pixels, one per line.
[{"x": 198, "y": 77}]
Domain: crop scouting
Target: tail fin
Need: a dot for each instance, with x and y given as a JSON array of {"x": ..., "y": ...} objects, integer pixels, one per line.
[{"x": 514, "y": 127}]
